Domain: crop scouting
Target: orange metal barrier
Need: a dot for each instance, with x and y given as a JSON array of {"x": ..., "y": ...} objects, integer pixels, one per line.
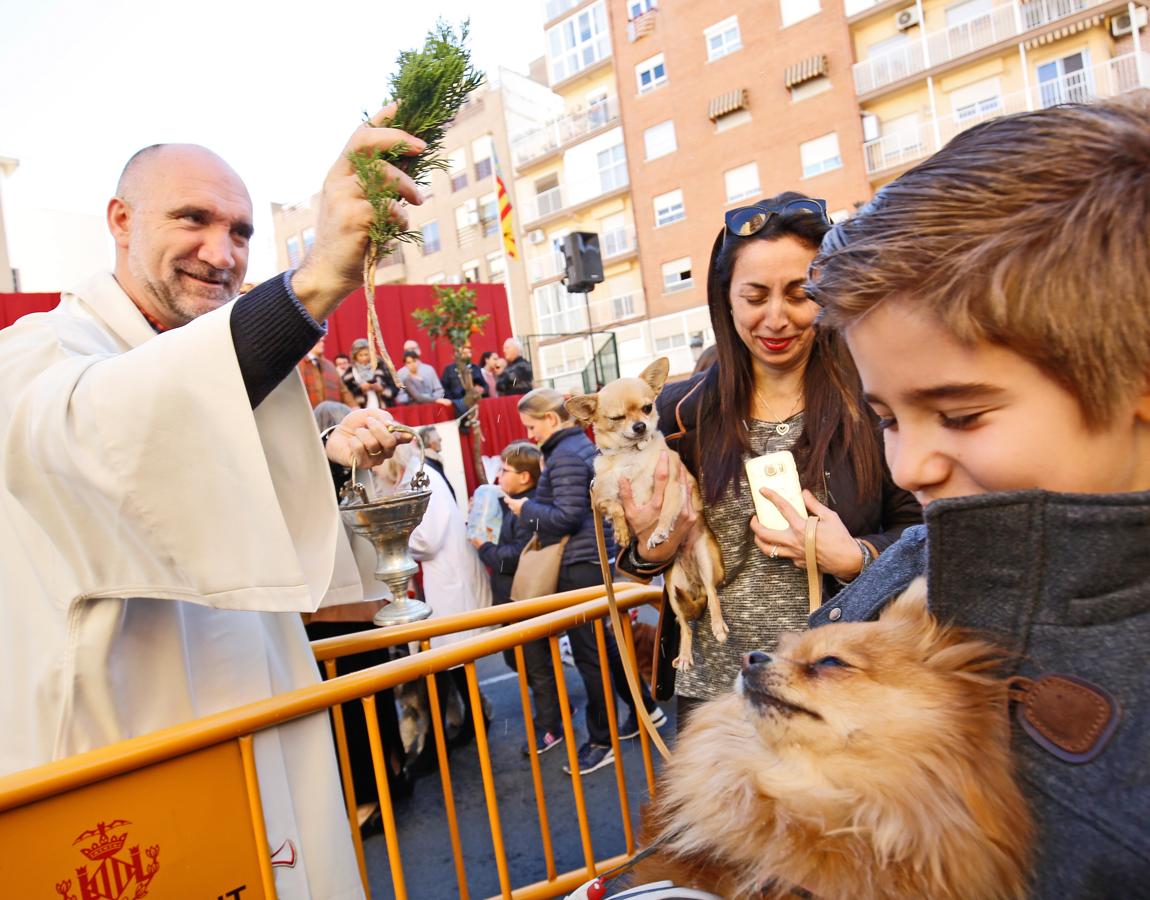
[{"x": 220, "y": 746}]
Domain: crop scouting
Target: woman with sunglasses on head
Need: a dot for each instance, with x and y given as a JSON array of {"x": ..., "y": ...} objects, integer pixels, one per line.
[{"x": 781, "y": 383}]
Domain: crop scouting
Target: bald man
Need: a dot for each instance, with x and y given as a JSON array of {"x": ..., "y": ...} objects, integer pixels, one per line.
[{"x": 166, "y": 509}]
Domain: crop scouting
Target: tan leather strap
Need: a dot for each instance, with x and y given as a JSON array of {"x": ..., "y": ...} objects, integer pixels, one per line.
[
  {"x": 814, "y": 583},
  {"x": 628, "y": 667}
]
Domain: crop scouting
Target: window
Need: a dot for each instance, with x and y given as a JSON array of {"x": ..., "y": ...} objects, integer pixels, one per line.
[
  {"x": 293, "y": 251},
  {"x": 466, "y": 215},
  {"x": 742, "y": 182},
  {"x": 723, "y": 39},
  {"x": 659, "y": 140},
  {"x": 457, "y": 169},
  {"x": 977, "y": 101},
  {"x": 482, "y": 151},
  {"x": 623, "y": 307},
  {"x": 598, "y": 110},
  {"x": 471, "y": 271},
  {"x": 1065, "y": 80},
  {"x": 669, "y": 208},
  {"x": 670, "y": 342},
  {"x": 578, "y": 42},
  {"x": 967, "y": 10},
  {"x": 636, "y": 8},
  {"x": 614, "y": 237},
  {"x": 558, "y": 311},
  {"x": 732, "y": 120},
  {"x": 820, "y": 155},
  {"x": 489, "y": 214},
  {"x": 810, "y": 88},
  {"x": 796, "y": 10},
  {"x": 612, "y": 168},
  {"x": 677, "y": 275},
  {"x": 308, "y": 235},
  {"x": 651, "y": 73},
  {"x": 496, "y": 267},
  {"x": 548, "y": 197},
  {"x": 430, "y": 238}
]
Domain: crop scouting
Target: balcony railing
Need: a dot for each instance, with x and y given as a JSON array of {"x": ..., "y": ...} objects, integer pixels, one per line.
[
  {"x": 543, "y": 141},
  {"x": 1108, "y": 79},
  {"x": 612, "y": 244},
  {"x": 617, "y": 242},
  {"x": 999, "y": 24},
  {"x": 545, "y": 267},
  {"x": 609, "y": 311},
  {"x": 469, "y": 234}
]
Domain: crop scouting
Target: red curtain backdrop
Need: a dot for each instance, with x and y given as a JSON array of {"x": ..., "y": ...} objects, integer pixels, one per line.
[
  {"x": 498, "y": 420},
  {"x": 13, "y": 306},
  {"x": 393, "y": 305}
]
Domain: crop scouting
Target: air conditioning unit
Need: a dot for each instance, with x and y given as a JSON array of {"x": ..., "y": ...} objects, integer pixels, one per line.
[
  {"x": 537, "y": 236},
  {"x": 906, "y": 18},
  {"x": 1120, "y": 24}
]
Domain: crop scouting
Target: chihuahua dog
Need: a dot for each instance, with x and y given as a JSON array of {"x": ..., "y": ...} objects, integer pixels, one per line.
[
  {"x": 627, "y": 433},
  {"x": 864, "y": 760}
]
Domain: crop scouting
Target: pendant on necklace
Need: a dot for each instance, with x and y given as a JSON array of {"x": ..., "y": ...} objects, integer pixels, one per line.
[{"x": 782, "y": 428}]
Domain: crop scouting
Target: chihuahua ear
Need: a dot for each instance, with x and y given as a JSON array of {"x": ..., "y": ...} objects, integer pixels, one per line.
[
  {"x": 656, "y": 374},
  {"x": 583, "y": 407}
]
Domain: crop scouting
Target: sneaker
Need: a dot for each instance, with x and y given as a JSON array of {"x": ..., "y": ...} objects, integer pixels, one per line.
[
  {"x": 591, "y": 758},
  {"x": 543, "y": 743},
  {"x": 631, "y": 727}
]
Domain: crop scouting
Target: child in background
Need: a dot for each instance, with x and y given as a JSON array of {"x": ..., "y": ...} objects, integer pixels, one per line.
[{"x": 522, "y": 462}]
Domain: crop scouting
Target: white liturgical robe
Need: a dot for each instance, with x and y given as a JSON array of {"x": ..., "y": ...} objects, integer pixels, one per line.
[{"x": 158, "y": 540}]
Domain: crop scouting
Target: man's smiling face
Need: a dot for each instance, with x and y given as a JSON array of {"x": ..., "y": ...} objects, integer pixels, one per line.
[{"x": 186, "y": 220}]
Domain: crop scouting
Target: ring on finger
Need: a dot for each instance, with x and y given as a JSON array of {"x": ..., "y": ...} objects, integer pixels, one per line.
[{"x": 774, "y": 551}]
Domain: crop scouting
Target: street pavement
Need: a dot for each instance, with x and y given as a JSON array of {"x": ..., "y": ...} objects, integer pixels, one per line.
[{"x": 425, "y": 845}]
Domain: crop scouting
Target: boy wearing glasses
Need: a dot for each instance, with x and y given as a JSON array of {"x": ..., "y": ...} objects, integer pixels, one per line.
[{"x": 996, "y": 300}]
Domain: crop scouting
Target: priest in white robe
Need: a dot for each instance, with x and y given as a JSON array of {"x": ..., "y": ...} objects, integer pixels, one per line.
[{"x": 166, "y": 509}]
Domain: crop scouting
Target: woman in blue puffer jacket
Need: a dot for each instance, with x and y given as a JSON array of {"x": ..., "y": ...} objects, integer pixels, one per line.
[{"x": 562, "y": 507}]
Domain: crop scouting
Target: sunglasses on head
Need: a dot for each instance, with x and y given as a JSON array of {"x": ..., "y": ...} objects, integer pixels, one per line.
[{"x": 748, "y": 220}]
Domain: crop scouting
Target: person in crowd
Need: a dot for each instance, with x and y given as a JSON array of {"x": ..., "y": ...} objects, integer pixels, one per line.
[
  {"x": 782, "y": 382},
  {"x": 454, "y": 580},
  {"x": 433, "y": 450},
  {"x": 425, "y": 371},
  {"x": 487, "y": 363},
  {"x": 372, "y": 388},
  {"x": 342, "y": 363},
  {"x": 518, "y": 476},
  {"x": 321, "y": 379},
  {"x": 561, "y": 508},
  {"x": 419, "y": 383},
  {"x": 151, "y": 370},
  {"x": 517, "y": 376},
  {"x": 1001, "y": 326},
  {"x": 453, "y": 384}
]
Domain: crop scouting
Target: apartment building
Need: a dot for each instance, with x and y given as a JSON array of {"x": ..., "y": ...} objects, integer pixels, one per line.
[
  {"x": 572, "y": 174},
  {"x": 7, "y": 275},
  {"x": 930, "y": 69},
  {"x": 724, "y": 104},
  {"x": 459, "y": 218}
]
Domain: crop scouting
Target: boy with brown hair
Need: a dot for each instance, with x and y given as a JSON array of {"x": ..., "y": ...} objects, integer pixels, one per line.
[{"x": 996, "y": 300}]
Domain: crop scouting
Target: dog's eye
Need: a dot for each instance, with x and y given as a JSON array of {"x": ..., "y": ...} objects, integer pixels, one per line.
[
  {"x": 831, "y": 661},
  {"x": 616, "y": 418},
  {"x": 647, "y": 409}
]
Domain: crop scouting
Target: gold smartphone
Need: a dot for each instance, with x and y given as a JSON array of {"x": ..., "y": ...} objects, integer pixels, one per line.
[{"x": 778, "y": 472}]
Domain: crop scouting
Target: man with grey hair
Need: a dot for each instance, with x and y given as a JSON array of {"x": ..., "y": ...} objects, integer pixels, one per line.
[
  {"x": 517, "y": 378},
  {"x": 166, "y": 511}
]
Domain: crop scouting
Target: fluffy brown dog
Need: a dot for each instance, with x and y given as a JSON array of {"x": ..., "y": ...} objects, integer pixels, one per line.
[
  {"x": 627, "y": 433},
  {"x": 860, "y": 761}
]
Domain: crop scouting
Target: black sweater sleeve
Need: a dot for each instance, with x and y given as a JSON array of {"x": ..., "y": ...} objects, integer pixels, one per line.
[{"x": 271, "y": 332}]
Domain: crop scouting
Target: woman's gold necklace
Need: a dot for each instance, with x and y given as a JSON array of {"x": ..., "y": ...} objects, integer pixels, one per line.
[{"x": 781, "y": 425}]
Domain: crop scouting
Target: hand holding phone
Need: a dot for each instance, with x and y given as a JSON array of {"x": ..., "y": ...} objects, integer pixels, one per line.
[{"x": 778, "y": 472}]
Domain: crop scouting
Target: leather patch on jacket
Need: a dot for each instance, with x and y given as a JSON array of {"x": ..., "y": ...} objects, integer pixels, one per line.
[{"x": 1068, "y": 717}]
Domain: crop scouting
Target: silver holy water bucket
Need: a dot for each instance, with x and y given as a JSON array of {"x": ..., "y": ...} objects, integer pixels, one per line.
[{"x": 388, "y": 523}]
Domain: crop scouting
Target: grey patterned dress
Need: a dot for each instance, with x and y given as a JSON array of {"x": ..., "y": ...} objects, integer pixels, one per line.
[{"x": 761, "y": 597}]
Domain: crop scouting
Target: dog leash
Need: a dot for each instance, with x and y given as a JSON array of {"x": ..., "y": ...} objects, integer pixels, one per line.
[{"x": 613, "y": 607}]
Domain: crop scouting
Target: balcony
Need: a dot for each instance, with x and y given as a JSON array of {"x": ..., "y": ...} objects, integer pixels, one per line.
[
  {"x": 476, "y": 231},
  {"x": 550, "y": 204},
  {"x": 562, "y": 133},
  {"x": 890, "y": 153},
  {"x": 937, "y": 48},
  {"x": 610, "y": 311},
  {"x": 614, "y": 245},
  {"x": 547, "y": 267}
]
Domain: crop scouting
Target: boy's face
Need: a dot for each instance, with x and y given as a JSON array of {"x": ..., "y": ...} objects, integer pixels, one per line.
[
  {"x": 964, "y": 420},
  {"x": 513, "y": 482}
]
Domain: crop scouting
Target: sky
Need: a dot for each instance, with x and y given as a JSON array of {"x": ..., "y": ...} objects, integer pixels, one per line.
[{"x": 274, "y": 88}]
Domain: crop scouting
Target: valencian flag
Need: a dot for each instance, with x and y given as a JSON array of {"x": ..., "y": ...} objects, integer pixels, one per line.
[{"x": 504, "y": 200}]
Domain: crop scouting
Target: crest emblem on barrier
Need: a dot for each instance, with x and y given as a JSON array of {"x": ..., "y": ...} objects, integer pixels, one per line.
[{"x": 112, "y": 872}]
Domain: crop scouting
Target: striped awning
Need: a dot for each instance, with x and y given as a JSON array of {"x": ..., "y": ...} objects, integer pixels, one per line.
[
  {"x": 811, "y": 67},
  {"x": 1065, "y": 31},
  {"x": 729, "y": 102}
]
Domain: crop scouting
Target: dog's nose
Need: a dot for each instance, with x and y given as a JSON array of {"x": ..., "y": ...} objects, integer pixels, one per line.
[
  {"x": 639, "y": 427},
  {"x": 756, "y": 658}
]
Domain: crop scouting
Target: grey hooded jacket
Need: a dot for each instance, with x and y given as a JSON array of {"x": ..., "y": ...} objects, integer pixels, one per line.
[{"x": 1063, "y": 580}]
